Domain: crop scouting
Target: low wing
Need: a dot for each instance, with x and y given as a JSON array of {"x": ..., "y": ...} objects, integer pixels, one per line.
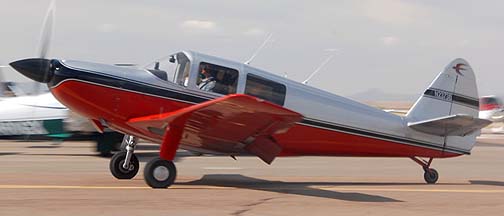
[
  {"x": 230, "y": 124},
  {"x": 454, "y": 125}
]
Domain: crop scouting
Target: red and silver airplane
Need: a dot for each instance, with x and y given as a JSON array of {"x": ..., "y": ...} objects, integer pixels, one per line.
[
  {"x": 253, "y": 112},
  {"x": 216, "y": 106}
]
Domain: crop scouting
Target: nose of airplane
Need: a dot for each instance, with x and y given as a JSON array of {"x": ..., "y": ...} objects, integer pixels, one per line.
[{"x": 37, "y": 69}]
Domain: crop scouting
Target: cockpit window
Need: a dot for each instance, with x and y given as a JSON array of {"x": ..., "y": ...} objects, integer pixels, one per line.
[
  {"x": 173, "y": 68},
  {"x": 182, "y": 70},
  {"x": 216, "y": 78},
  {"x": 265, "y": 89}
]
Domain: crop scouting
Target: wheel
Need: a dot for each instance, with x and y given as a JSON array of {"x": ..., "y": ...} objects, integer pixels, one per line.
[
  {"x": 159, "y": 173},
  {"x": 431, "y": 176},
  {"x": 116, "y": 166}
]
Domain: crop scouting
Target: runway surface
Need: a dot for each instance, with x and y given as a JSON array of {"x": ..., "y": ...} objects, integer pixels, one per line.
[{"x": 43, "y": 178}]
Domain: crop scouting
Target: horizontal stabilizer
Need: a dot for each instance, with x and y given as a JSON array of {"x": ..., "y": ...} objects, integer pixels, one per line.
[{"x": 454, "y": 125}]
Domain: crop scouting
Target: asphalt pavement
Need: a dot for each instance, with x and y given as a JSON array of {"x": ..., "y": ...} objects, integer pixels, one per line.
[{"x": 45, "y": 178}]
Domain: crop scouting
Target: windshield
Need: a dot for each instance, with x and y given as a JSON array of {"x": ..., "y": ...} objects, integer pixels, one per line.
[{"x": 174, "y": 68}]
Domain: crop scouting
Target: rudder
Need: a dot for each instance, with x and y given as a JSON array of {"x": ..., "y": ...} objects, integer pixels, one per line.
[{"x": 453, "y": 92}]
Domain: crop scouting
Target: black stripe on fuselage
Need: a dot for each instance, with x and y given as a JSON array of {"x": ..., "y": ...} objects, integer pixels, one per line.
[
  {"x": 144, "y": 88},
  {"x": 65, "y": 73},
  {"x": 452, "y": 97}
]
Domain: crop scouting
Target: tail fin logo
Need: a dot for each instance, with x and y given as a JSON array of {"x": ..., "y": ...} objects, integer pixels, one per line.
[{"x": 458, "y": 68}]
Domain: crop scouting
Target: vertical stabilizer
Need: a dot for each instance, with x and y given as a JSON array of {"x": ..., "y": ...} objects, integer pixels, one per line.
[{"x": 453, "y": 92}]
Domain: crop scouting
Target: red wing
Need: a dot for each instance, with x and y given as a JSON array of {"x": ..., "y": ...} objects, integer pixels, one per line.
[{"x": 230, "y": 124}]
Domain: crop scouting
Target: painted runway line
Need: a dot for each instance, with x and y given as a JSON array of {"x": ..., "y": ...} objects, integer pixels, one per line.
[
  {"x": 222, "y": 168},
  {"x": 329, "y": 188},
  {"x": 412, "y": 190}
]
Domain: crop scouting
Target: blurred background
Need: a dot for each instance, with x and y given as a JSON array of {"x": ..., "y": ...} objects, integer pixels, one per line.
[{"x": 384, "y": 50}]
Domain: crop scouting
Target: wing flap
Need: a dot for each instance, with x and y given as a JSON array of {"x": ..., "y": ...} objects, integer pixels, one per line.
[
  {"x": 230, "y": 124},
  {"x": 454, "y": 125}
]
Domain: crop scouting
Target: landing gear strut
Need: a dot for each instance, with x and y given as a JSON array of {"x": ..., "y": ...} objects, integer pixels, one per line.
[
  {"x": 430, "y": 175},
  {"x": 161, "y": 172},
  {"x": 124, "y": 164}
]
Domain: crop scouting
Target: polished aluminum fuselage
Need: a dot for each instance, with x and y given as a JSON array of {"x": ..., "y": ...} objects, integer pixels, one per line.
[{"x": 321, "y": 109}]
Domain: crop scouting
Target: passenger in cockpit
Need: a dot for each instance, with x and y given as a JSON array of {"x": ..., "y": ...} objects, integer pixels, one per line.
[{"x": 208, "y": 81}]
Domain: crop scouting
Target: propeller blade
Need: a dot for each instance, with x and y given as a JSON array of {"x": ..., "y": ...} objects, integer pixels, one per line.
[
  {"x": 47, "y": 31},
  {"x": 3, "y": 86}
]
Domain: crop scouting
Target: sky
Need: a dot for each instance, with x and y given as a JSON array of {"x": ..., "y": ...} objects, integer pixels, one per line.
[{"x": 392, "y": 46}]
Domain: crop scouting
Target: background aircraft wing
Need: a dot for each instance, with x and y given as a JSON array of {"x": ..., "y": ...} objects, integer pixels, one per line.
[{"x": 230, "y": 124}]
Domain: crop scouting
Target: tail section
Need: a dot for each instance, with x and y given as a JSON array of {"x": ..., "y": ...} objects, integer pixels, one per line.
[
  {"x": 453, "y": 91},
  {"x": 451, "y": 95}
]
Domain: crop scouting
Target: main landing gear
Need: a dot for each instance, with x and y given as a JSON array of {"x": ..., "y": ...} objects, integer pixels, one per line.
[
  {"x": 430, "y": 175},
  {"x": 158, "y": 173}
]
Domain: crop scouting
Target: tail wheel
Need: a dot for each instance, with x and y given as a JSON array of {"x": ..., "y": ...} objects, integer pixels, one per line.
[
  {"x": 431, "y": 176},
  {"x": 117, "y": 169},
  {"x": 159, "y": 173}
]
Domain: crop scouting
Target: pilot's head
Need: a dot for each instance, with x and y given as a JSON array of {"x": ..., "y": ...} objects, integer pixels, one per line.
[{"x": 204, "y": 72}]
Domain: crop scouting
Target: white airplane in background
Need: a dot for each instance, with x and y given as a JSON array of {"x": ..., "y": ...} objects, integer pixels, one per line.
[
  {"x": 491, "y": 108},
  {"x": 40, "y": 116},
  {"x": 32, "y": 115}
]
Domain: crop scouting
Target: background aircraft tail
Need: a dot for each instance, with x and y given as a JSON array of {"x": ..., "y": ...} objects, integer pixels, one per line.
[{"x": 450, "y": 107}]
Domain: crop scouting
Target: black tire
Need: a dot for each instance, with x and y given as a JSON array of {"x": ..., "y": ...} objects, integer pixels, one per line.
[
  {"x": 118, "y": 171},
  {"x": 161, "y": 179},
  {"x": 431, "y": 176}
]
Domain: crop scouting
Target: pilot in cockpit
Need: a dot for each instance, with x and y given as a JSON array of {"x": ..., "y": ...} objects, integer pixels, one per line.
[{"x": 208, "y": 81}]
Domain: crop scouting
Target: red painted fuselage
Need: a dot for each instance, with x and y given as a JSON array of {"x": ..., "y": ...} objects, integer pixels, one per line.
[{"x": 309, "y": 137}]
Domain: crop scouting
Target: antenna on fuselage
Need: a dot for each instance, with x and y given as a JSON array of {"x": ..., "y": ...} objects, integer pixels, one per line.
[
  {"x": 318, "y": 69},
  {"x": 268, "y": 39},
  {"x": 327, "y": 60}
]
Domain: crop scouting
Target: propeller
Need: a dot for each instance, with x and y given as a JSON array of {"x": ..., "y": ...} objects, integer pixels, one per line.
[
  {"x": 47, "y": 31},
  {"x": 39, "y": 69}
]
